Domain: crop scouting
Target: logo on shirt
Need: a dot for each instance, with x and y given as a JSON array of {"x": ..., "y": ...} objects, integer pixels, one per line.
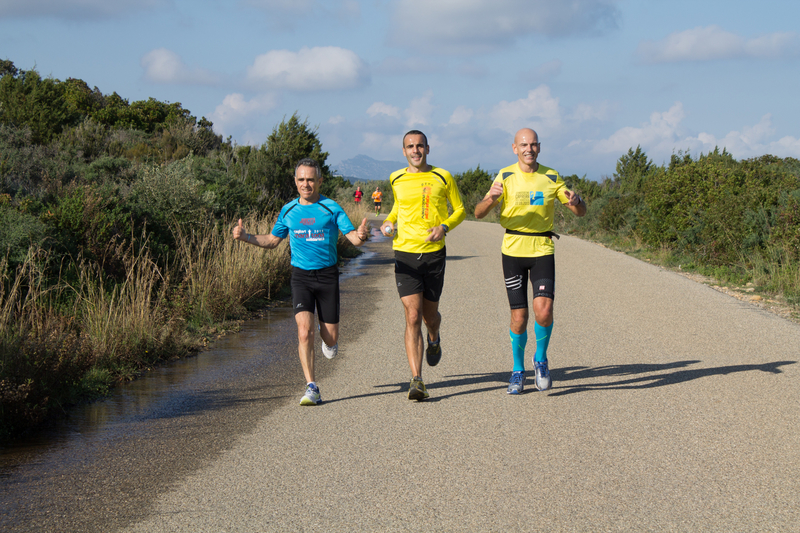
[
  {"x": 308, "y": 221},
  {"x": 537, "y": 198},
  {"x": 310, "y": 235},
  {"x": 426, "y": 201}
]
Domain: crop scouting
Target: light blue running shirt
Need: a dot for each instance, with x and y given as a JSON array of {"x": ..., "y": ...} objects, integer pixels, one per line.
[{"x": 313, "y": 231}]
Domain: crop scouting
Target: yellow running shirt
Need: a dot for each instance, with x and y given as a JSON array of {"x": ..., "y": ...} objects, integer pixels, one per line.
[
  {"x": 420, "y": 203},
  {"x": 528, "y": 204}
]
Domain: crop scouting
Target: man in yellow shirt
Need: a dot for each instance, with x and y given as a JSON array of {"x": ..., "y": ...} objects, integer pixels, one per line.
[
  {"x": 528, "y": 192},
  {"x": 421, "y": 193}
]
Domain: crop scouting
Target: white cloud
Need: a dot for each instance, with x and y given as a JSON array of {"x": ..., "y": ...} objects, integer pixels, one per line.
[
  {"x": 664, "y": 134},
  {"x": 750, "y": 141},
  {"x": 74, "y": 9},
  {"x": 419, "y": 110},
  {"x": 539, "y": 109},
  {"x": 660, "y": 132},
  {"x": 235, "y": 110},
  {"x": 470, "y": 26},
  {"x": 461, "y": 115},
  {"x": 165, "y": 66},
  {"x": 586, "y": 112},
  {"x": 380, "y": 108},
  {"x": 382, "y": 145},
  {"x": 311, "y": 69},
  {"x": 712, "y": 42},
  {"x": 338, "y": 119}
]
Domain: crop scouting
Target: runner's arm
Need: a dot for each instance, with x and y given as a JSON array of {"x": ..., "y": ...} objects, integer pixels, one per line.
[
  {"x": 360, "y": 235},
  {"x": 490, "y": 200},
  {"x": 268, "y": 241}
]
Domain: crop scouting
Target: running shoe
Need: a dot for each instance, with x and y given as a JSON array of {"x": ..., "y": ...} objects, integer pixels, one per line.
[
  {"x": 311, "y": 397},
  {"x": 416, "y": 391},
  {"x": 542, "y": 375},
  {"x": 330, "y": 351},
  {"x": 434, "y": 352},
  {"x": 517, "y": 382}
]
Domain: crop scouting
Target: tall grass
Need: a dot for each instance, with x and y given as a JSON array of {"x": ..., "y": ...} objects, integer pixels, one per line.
[
  {"x": 63, "y": 342},
  {"x": 776, "y": 271},
  {"x": 220, "y": 275}
]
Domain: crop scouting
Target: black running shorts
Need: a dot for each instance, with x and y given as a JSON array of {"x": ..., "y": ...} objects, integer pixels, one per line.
[
  {"x": 420, "y": 273},
  {"x": 517, "y": 271},
  {"x": 317, "y": 290}
]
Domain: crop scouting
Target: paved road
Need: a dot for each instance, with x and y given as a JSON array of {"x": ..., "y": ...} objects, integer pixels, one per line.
[{"x": 674, "y": 408}]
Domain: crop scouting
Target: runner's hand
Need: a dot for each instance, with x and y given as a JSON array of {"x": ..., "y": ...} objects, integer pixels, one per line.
[
  {"x": 573, "y": 197},
  {"x": 435, "y": 234},
  {"x": 496, "y": 191},
  {"x": 239, "y": 232},
  {"x": 363, "y": 230}
]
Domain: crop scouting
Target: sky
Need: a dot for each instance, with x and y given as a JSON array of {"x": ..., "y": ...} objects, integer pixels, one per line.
[{"x": 594, "y": 78}]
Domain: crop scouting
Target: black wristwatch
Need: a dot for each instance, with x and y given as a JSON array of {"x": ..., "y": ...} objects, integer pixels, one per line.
[{"x": 446, "y": 229}]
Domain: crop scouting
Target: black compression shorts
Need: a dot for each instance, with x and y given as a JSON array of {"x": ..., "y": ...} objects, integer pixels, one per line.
[
  {"x": 317, "y": 290},
  {"x": 420, "y": 273},
  {"x": 517, "y": 271}
]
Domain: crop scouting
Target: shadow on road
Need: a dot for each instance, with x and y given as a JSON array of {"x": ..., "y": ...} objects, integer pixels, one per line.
[
  {"x": 639, "y": 376},
  {"x": 664, "y": 376}
]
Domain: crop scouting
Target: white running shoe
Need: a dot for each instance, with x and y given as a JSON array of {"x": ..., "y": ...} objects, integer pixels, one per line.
[
  {"x": 543, "y": 381},
  {"x": 330, "y": 351}
]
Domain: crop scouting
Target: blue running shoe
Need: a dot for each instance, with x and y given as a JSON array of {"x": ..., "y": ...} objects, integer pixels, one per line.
[
  {"x": 311, "y": 397},
  {"x": 542, "y": 375},
  {"x": 517, "y": 382}
]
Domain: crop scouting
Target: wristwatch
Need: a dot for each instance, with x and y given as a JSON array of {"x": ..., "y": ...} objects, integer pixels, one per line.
[{"x": 446, "y": 229}]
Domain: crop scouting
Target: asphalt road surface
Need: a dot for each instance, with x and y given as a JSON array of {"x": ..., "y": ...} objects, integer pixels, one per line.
[{"x": 674, "y": 407}]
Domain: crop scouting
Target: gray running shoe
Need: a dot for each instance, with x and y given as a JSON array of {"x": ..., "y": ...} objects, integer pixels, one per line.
[
  {"x": 517, "y": 382},
  {"x": 542, "y": 375},
  {"x": 416, "y": 391},
  {"x": 311, "y": 397}
]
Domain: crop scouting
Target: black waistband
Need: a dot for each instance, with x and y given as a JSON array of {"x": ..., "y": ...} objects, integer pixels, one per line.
[{"x": 525, "y": 234}]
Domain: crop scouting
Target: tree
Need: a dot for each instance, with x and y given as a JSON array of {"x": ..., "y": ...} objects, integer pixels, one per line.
[
  {"x": 271, "y": 167},
  {"x": 28, "y": 100},
  {"x": 632, "y": 171}
]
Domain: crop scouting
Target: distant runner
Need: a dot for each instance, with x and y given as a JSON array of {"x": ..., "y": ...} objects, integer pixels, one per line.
[
  {"x": 528, "y": 192},
  {"x": 312, "y": 222},
  {"x": 357, "y": 195},
  {"x": 376, "y": 197}
]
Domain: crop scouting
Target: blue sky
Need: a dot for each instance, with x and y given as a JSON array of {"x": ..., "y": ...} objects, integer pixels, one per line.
[{"x": 593, "y": 77}]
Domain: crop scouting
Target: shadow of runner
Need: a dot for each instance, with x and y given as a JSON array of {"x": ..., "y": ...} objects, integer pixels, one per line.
[{"x": 647, "y": 382}]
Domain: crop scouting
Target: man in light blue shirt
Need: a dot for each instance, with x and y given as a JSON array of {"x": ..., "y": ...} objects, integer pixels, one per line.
[{"x": 312, "y": 222}]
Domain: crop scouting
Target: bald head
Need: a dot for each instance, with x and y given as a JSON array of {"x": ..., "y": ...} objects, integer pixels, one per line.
[
  {"x": 526, "y": 146},
  {"x": 526, "y": 133}
]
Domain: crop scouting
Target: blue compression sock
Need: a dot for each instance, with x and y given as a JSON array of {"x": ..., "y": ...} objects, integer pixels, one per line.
[
  {"x": 518, "y": 343},
  {"x": 542, "y": 340}
]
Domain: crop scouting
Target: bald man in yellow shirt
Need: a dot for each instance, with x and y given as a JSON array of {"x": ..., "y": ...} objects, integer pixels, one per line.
[{"x": 528, "y": 192}]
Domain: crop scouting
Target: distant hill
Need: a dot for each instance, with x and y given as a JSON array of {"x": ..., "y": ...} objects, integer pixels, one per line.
[{"x": 363, "y": 168}]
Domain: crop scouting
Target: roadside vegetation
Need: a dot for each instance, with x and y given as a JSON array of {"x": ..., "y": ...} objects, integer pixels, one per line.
[
  {"x": 115, "y": 221},
  {"x": 115, "y": 248}
]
